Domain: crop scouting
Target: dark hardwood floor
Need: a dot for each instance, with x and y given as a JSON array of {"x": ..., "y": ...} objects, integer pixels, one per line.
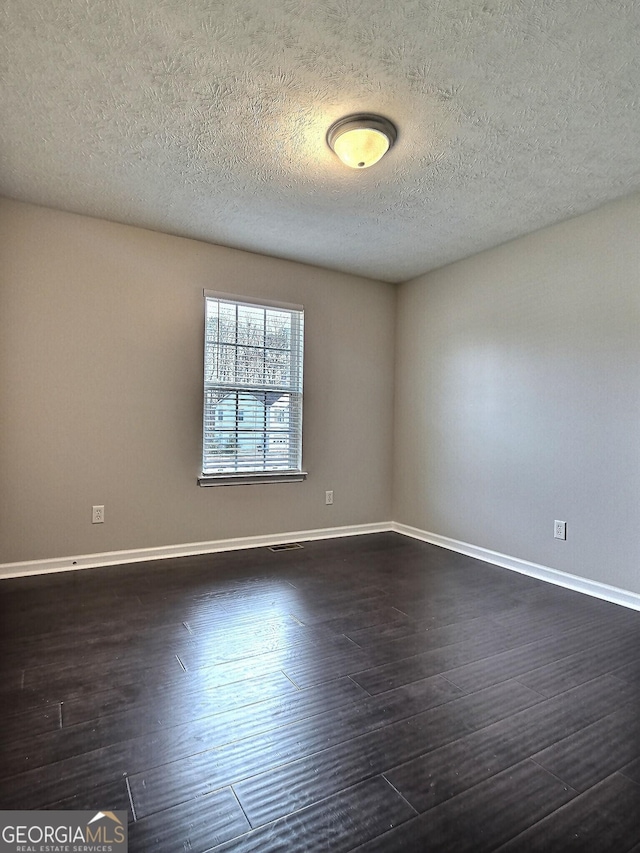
[{"x": 370, "y": 694}]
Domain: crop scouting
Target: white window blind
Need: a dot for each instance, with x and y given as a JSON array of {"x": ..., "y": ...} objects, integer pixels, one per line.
[{"x": 253, "y": 352}]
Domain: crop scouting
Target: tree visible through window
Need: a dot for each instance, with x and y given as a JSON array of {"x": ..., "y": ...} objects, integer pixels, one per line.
[{"x": 252, "y": 388}]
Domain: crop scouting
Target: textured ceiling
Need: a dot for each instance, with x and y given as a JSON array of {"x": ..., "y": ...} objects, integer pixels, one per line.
[{"x": 208, "y": 119}]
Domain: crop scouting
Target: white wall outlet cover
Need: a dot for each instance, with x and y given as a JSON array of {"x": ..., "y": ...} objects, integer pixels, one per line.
[
  {"x": 560, "y": 529},
  {"x": 97, "y": 515}
]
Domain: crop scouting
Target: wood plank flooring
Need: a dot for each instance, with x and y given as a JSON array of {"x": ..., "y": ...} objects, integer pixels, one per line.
[{"x": 365, "y": 694}]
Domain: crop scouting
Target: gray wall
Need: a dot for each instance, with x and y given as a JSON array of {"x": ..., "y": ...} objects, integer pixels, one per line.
[
  {"x": 518, "y": 397},
  {"x": 517, "y": 393},
  {"x": 100, "y": 368}
]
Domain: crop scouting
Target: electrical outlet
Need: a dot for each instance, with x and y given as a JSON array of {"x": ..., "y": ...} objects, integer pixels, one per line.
[
  {"x": 328, "y": 497},
  {"x": 97, "y": 515},
  {"x": 559, "y": 529}
]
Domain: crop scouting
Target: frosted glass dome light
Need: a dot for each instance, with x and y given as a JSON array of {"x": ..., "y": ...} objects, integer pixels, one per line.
[{"x": 361, "y": 140}]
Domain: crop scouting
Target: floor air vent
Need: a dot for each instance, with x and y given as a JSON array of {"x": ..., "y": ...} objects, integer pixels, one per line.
[{"x": 287, "y": 546}]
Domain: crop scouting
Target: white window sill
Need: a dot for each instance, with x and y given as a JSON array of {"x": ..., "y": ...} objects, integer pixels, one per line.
[{"x": 252, "y": 479}]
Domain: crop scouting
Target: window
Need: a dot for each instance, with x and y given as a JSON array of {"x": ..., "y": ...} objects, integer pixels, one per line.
[{"x": 252, "y": 429}]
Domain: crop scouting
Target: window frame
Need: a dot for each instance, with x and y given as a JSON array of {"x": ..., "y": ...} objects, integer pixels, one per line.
[{"x": 247, "y": 477}]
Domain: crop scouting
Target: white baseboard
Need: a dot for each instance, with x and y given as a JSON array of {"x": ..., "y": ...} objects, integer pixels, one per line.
[
  {"x": 534, "y": 570},
  {"x": 139, "y": 555}
]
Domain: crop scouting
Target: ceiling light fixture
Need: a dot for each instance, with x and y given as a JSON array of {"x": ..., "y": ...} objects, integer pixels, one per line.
[{"x": 361, "y": 140}]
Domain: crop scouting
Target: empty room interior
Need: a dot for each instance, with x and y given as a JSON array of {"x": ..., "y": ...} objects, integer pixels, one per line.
[{"x": 320, "y": 383}]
